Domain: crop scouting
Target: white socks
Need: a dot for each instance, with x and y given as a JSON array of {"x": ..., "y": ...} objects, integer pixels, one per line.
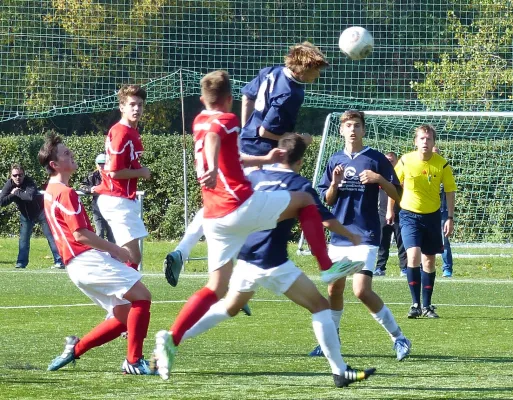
[
  {"x": 214, "y": 316},
  {"x": 385, "y": 318},
  {"x": 193, "y": 234},
  {"x": 327, "y": 337}
]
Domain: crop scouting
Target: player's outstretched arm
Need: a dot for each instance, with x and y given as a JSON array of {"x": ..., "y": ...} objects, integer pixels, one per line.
[
  {"x": 89, "y": 238},
  {"x": 336, "y": 227},
  {"x": 274, "y": 156}
]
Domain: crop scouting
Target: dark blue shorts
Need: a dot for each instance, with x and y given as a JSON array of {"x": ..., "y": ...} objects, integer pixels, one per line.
[{"x": 422, "y": 230}]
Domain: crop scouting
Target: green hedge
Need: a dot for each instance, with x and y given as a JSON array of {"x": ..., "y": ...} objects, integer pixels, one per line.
[{"x": 164, "y": 199}]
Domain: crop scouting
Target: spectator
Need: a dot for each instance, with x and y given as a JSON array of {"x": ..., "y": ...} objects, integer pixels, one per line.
[
  {"x": 388, "y": 229},
  {"x": 22, "y": 190},
  {"x": 88, "y": 186}
]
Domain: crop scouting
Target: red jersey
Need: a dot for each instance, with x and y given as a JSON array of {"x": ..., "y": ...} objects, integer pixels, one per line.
[
  {"x": 65, "y": 214},
  {"x": 123, "y": 147},
  {"x": 232, "y": 188}
]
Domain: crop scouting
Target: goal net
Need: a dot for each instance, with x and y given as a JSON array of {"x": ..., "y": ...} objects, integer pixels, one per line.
[{"x": 479, "y": 147}]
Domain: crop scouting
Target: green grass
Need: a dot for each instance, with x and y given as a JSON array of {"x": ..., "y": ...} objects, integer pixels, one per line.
[{"x": 466, "y": 354}]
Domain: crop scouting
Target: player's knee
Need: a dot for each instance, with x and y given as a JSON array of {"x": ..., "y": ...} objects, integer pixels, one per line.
[
  {"x": 336, "y": 289},
  {"x": 319, "y": 304},
  {"x": 362, "y": 293}
]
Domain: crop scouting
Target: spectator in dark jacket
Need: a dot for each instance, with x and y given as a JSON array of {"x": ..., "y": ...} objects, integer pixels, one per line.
[
  {"x": 23, "y": 191},
  {"x": 88, "y": 185}
]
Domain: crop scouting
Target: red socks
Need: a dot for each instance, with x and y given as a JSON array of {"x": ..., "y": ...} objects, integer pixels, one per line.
[
  {"x": 137, "y": 328},
  {"x": 108, "y": 330},
  {"x": 132, "y": 265},
  {"x": 311, "y": 223},
  {"x": 197, "y": 306}
]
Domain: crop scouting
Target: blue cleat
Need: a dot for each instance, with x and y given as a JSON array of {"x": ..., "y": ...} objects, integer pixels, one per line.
[
  {"x": 165, "y": 351},
  {"x": 402, "y": 348},
  {"x": 246, "y": 310},
  {"x": 172, "y": 267},
  {"x": 341, "y": 269},
  {"x": 447, "y": 273},
  {"x": 317, "y": 352},
  {"x": 140, "y": 367},
  {"x": 67, "y": 356}
]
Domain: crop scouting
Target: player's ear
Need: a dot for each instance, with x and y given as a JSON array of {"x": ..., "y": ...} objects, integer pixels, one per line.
[{"x": 202, "y": 99}]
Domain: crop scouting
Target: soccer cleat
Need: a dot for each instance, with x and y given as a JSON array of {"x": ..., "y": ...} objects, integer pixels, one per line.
[
  {"x": 140, "y": 367},
  {"x": 429, "y": 312},
  {"x": 173, "y": 266},
  {"x": 19, "y": 266},
  {"x": 317, "y": 352},
  {"x": 402, "y": 348},
  {"x": 403, "y": 272},
  {"x": 67, "y": 356},
  {"x": 351, "y": 376},
  {"x": 165, "y": 351},
  {"x": 340, "y": 269},
  {"x": 58, "y": 266},
  {"x": 415, "y": 311},
  {"x": 380, "y": 272},
  {"x": 246, "y": 310},
  {"x": 447, "y": 273}
]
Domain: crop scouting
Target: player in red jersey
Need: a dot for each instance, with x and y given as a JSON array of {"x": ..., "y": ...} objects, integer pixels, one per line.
[
  {"x": 93, "y": 266},
  {"x": 233, "y": 210},
  {"x": 123, "y": 148}
]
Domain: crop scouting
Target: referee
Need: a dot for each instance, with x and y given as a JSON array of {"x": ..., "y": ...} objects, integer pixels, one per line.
[{"x": 421, "y": 172}]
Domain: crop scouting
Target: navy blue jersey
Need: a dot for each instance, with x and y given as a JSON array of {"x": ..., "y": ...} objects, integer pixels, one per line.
[
  {"x": 278, "y": 97},
  {"x": 268, "y": 249},
  {"x": 357, "y": 204}
]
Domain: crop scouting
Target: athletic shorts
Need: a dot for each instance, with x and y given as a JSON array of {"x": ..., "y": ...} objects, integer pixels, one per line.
[
  {"x": 123, "y": 216},
  {"x": 102, "y": 278},
  {"x": 422, "y": 230},
  {"x": 226, "y": 235},
  {"x": 362, "y": 252},
  {"x": 248, "y": 277}
]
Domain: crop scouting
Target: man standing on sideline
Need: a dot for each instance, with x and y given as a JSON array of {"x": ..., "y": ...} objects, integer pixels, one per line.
[
  {"x": 447, "y": 254},
  {"x": 123, "y": 148},
  {"x": 351, "y": 185},
  {"x": 421, "y": 173},
  {"x": 88, "y": 186},
  {"x": 270, "y": 106},
  {"x": 22, "y": 190},
  {"x": 388, "y": 230}
]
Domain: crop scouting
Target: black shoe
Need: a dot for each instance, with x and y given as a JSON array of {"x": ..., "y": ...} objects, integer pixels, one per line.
[
  {"x": 173, "y": 266},
  {"x": 351, "y": 376},
  {"x": 415, "y": 311},
  {"x": 429, "y": 312}
]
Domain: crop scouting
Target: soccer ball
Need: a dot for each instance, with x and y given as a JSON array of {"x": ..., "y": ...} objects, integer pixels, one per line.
[{"x": 356, "y": 42}]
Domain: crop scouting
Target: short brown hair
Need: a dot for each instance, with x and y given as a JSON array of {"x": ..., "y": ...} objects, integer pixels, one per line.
[
  {"x": 304, "y": 56},
  {"x": 295, "y": 147},
  {"x": 426, "y": 128},
  {"x": 353, "y": 114},
  {"x": 216, "y": 87},
  {"x": 48, "y": 151},
  {"x": 18, "y": 167},
  {"x": 131, "y": 90}
]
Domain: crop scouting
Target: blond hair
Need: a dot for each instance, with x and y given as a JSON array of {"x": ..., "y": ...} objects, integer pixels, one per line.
[
  {"x": 426, "y": 128},
  {"x": 131, "y": 90},
  {"x": 304, "y": 56},
  {"x": 353, "y": 114},
  {"x": 216, "y": 87}
]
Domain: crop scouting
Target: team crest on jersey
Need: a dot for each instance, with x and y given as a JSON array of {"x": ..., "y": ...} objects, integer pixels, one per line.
[{"x": 350, "y": 173}]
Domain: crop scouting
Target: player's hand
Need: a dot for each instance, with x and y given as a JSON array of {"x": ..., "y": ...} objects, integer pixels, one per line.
[
  {"x": 15, "y": 190},
  {"x": 145, "y": 173},
  {"x": 121, "y": 254},
  {"x": 307, "y": 138},
  {"x": 448, "y": 228},
  {"x": 390, "y": 217},
  {"x": 93, "y": 189},
  {"x": 337, "y": 175},
  {"x": 209, "y": 179},
  {"x": 275, "y": 156},
  {"x": 355, "y": 239},
  {"x": 369, "y": 176}
]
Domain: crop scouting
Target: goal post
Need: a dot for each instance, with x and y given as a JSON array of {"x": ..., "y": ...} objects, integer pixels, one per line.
[{"x": 479, "y": 147}]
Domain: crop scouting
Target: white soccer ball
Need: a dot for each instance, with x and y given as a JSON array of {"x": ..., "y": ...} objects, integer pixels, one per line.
[{"x": 356, "y": 42}]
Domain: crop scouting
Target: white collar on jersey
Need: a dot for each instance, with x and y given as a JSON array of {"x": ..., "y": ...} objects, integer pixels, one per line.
[
  {"x": 275, "y": 167},
  {"x": 354, "y": 155},
  {"x": 211, "y": 112},
  {"x": 288, "y": 74}
]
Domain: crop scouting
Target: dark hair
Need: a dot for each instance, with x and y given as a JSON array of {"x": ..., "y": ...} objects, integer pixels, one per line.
[
  {"x": 48, "y": 151},
  {"x": 18, "y": 167},
  {"x": 216, "y": 87},
  {"x": 131, "y": 90},
  {"x": 353, "y": 114},
  {"x": 295, "y": 147},
  {"x": 426, "y": 128}
]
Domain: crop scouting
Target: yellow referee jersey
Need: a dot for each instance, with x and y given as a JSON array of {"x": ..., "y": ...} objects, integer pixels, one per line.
[{"x": 421, "y": 182}]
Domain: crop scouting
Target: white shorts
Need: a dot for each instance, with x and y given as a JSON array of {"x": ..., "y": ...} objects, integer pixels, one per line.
[
  {"x": 122, "y": 214},
  {"x": 247, "y": 277},
  {"x": 226, "y": 235},
  {"x": 362, "y": 252},
  {"x": 102, "y": 278}
]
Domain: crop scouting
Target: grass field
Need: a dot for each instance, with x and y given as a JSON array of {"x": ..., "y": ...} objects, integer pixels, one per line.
[{"x": 466, "y": 354}]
